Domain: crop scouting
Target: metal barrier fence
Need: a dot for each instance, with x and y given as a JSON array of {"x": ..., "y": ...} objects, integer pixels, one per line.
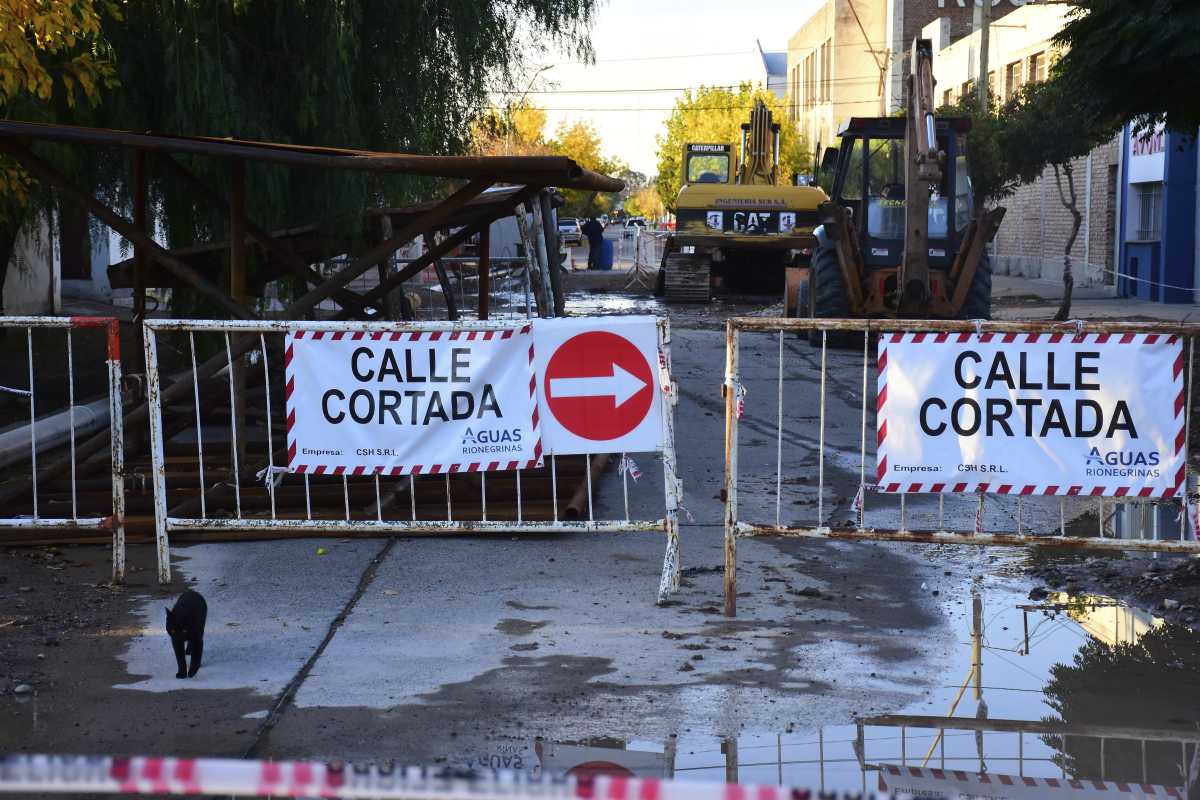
[
  {"x": 788, "y": 491},
  {"x": 228, "y": 475},
  {"x": 43, "y": 460},
  {"x": 1121, "y": 760}
]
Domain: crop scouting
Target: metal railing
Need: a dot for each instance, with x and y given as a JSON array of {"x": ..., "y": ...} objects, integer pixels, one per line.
[
  {"x": 44, "y": 453},
  {"x": 228, "y": 475},
  {"x": 965, "y": 519},
  {"x": 1112, "y": 757}
]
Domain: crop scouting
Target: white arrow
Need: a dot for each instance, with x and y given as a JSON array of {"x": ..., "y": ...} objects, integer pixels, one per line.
[{"x": 620, "y": 386}]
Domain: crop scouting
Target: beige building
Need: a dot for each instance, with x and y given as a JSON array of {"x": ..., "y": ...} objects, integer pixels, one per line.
[
  {"x": 1032, "y": 239},
  {"x": 850, "y": 57}
]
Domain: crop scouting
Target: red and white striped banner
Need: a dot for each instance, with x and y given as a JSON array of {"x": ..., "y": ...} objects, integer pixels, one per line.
[
  {"x": 923, "y": 782},
  {"x": 24, "y": 774},
  {"x": 1100, "y": 415}
]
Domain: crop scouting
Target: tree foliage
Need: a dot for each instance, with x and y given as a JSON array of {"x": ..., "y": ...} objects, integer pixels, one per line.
[
  {"x": 52, "y": 54},
  {"x": 646, "y": 202},
  {"x": 395, "y": 75},
  {"x": 715, "y": 115},
  {"x": 581, "y": 142},
  {"x": 1043, "y": 126},
  {"x": 1134, "y": 62},
  {"x": 1126, "y": 685},
  {"x": 517, "y": 130},
  {"x": 992, "y": 176}
]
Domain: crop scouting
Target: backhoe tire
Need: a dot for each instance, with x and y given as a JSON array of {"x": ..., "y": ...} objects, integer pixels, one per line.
[
  {"x": 978, "y": 304},
  {"x": 827, "y": 290}
]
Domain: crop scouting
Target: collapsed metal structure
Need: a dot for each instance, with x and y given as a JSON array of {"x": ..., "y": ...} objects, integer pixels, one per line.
[{"x": 484, "y": 189}]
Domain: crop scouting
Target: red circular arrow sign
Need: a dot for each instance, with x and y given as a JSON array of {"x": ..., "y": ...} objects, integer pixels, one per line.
[{"x": 598, "y": 385}]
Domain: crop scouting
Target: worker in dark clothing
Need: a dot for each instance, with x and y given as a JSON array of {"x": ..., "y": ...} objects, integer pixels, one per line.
[{"x": 594, "y": 231}]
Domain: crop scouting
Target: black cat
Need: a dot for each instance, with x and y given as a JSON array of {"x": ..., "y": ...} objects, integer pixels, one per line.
[{"x": 185, "y": 625}]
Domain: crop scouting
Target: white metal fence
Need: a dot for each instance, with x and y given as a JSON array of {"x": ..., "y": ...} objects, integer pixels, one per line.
[
  {"x": 789, "y": 416},
  {"x": 226, "y": 449},
  {"x": 41, "y": 455}
]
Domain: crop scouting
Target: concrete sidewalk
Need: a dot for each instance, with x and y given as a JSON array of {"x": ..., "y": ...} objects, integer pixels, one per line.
[{"x": 1018, "y": 298}]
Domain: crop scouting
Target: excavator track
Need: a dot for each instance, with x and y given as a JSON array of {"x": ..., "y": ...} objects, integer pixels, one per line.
[{"x": 687, "y": 278}]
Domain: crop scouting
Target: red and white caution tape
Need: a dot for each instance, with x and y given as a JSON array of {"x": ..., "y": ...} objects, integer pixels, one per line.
[
  {"x": 630, "y": 467},
  {"x": 223, "y": 776}
]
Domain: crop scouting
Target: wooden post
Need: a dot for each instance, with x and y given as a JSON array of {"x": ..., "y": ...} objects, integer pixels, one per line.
[
  {"x": 386, "y": 306},
  {"x": 237, "y": 289},
  {"x": 977, "y": 643},
  {"x": 520, "y": 214},
  {"x": 552, "y": 250},
  {"x": 443, "y": 280},
  {"x": 139, "y": 257},
  {"x": 485, "y": 270}
]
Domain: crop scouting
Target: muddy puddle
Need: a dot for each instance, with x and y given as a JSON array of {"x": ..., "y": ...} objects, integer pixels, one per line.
[{"x": 1076, "y": 696}]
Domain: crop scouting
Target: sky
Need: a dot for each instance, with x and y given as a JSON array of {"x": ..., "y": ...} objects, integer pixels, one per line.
[{"x": 636, "y": 46}]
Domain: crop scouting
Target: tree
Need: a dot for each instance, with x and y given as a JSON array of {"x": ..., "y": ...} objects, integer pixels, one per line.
[
  {"x": 1045, "y": 126},
  {"x": 715, "y": 115},
  {"x": 581, "y": 142},
  {"x": 517, "y": 130},
  {"x": 1134, "y": 63},
  {"x": 395, "y": 75},
  {"x": 1126, "y": 685},
  {"x": 52, "y": 55},
  {"x": 645, "y": 203},
  {"x": 992, "y": 177}
]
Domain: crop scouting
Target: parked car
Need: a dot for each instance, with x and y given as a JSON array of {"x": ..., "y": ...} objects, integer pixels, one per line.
[
  {"x": 631, "y": 223},
  {"x": 569, "y": 231}
]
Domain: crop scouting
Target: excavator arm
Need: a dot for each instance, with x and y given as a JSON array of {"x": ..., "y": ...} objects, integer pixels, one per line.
[{"x": 922, "y": 172}]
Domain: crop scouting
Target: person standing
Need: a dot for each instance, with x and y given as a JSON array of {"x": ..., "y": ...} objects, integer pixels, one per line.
[{"x": 594, "y": 231}]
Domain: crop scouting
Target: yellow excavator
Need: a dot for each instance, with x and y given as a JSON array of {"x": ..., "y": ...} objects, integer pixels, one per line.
[{"x": 738, "y": 227}]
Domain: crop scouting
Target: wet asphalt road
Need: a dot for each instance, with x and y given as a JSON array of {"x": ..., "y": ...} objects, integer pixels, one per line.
[{"x": 427, "y": 650}]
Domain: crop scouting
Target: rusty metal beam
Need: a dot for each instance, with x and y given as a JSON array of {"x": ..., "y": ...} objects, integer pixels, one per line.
[
  {"x": 296, "y": 309},
  {"x": 43, "y": 171},
  {"x": 542, "y": 170},
  {"x": 445, "y": 246},
  {"x": 426, "y": 222},
  {"x": 485, "y": 270},
  {"x": 261, "y": 237},
  {"x": 138, "y": 178}
]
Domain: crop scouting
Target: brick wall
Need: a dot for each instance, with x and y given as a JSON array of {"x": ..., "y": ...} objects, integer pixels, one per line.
[{"x": 1034, "y": 233}]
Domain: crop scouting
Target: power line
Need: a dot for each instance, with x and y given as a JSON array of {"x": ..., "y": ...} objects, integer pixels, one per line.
[
  {"x": 719, "y": 54},
  {"x": 849, "y": 79}
]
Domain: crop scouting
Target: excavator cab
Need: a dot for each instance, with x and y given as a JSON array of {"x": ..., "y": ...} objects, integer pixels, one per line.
[
  {"x": 869, "y": 183},
  {"x": 899, "y": 236},
  {"x": 708, "y": 163}
]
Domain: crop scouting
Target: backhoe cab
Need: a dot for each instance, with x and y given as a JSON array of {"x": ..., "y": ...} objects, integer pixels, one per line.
[{"x": 899, "y": 237}]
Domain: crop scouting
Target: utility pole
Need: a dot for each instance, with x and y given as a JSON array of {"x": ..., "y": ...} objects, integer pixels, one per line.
[
  {"x": 977, "y": 642},
  {"x": 985, "y": 18}
]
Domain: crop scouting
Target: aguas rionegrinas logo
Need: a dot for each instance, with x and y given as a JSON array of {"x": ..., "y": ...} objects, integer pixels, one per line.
[
  {"x": 492, "y": 440},
  {"x": 1122, "y": 458}
]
